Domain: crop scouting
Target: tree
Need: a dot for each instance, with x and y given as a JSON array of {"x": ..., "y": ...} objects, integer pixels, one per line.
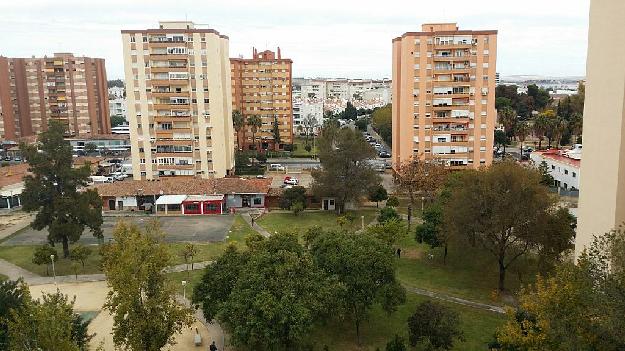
[
  {"x": 382, "y": 121},
  {"x": 540, "y": 96},
  {"x": 546, "y": 177},
  {"x": 296, "y": 194},
  {"x": 51, "y": 189},
  {"x": 310, "y": 124},
  {"x": 508, "y": 118},
  {"x": 388, "y": 213},
  {"x": 297, "y": 208},
  {"x": 390, "y": 231},
  {"x": 80, "y": 253},
  {"x": 377, "y": 193},
  {"x": 238, "y": 121},
  {"x": 422, "y": 177},
  {"x": 350, "y": 111},
  {"x": 42, "y": 255},
  {"x": 145, "y": 312},
  {"x": 501, "y": 139},
  {"x": 117, "y": 121},
  {"x": 254, "y": 122},
  {"x": 580, "y": 307},
  {"x": 364, "y": 265},
  {"x": 268, "y": 297},
  {"x": 392, "y": 201},
  {"x": 14, "y": 295},
  {"x": 521, "y": 131},
  {"x": 345, "y": 173},
  {"x": 276, "y": 134},
  {"x": 362, "y": 123},
  {"x": 396, "y": 344},
  {"x": 501, "y": 209},
  {"x": 430, "y": 231},
  {"x": 434, "y": 326},
  {"x": 187, "y": 253},
  {"x": 115, "y": 83},
  {"x": 48, "y": 324}
]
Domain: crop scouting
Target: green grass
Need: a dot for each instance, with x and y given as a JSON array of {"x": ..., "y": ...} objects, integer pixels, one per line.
[
  {"x": 3, "y": 277},
  {"x": 22, "y": 255},
  {"x": 300, "y": 151},
  {"x": 192, "y": 278},
  {"x": 288, "y": 222},
  {"x": 478, "y": 327}
]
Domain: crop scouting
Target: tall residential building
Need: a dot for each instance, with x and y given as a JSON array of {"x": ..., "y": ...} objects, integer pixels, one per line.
[
  {"x": 64, "y": 87},
  {"x": 179, "y": 101},
  {"x": 444, "y": 95},
  {"x": 602, "y": 187},
  {"x": 261, "y": 86}
]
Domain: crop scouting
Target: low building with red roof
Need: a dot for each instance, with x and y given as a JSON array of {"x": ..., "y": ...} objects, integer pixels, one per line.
[{"x": 563, "y": 165}]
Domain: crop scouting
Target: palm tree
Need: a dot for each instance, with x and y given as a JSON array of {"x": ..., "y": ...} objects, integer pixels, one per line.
[
  {"x": 239, "y": 123},
  {"x": 541, "y": 125},
  {"x": 521, "y": 131},
  {"x": 254, "y": 122},
  {"x": 576, "y": 124},
  {"x": 507, "y": 116},
  {"x": 559, "y": 125}
]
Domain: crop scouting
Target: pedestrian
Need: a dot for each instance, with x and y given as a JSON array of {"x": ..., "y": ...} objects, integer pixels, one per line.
[
  {"x": 398, "y": 252},
  {"x": 252, "y": 217},
  {"x": 213, "y": 347}
]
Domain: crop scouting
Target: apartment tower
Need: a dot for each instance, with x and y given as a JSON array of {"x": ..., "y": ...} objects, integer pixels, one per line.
[
  {"x": 179, "y": 101},
  {"x": 444, "y": 95},
  {"x": 261, "y": 86},
  {"x": 602, "y": 182},
  {"x": 65, "y": 88}
]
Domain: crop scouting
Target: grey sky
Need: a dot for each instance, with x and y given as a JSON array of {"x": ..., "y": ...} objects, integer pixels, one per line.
[{"x": 332, "y": 38}]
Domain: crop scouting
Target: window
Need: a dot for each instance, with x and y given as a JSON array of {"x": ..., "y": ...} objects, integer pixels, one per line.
[
  {"x": 258, "y": 201},
  {"x": 566, "y": 171},
  {"x": 486, "y": 52},
  {"x": 553, "y": 167},
  {"x": 485, "y": 65},
  {"x": 132, "y": 40},
  {"x": 574, "y": 174}
]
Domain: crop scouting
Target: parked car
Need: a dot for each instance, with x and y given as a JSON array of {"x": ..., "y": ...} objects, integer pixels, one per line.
[
  {"x": 291, "y": 180},
  {"x": 7, "y": 158},
  {"x": 17, "y": 159},
  {"x": 276, "y": 167},
  {"x": 377, "y": 145},
  {"x": 119, "y": 175},
  {"x": 384, "y": 154},
  {"x": 260, "y": 176}
]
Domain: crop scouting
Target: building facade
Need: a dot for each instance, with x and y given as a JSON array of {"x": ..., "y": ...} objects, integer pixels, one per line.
[
  {"x": 261, "y": 86},
  {"x": 443, "y": 93},
  {"x": 562, "y": 165},
  {"x": 179, "y": 101},
  {"x": 65, "y": 88},
  {"x": 602, "y": 189}
]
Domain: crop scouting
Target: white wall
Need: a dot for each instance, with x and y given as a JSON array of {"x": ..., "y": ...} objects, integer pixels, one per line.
[{"x": 561, "y": 172}]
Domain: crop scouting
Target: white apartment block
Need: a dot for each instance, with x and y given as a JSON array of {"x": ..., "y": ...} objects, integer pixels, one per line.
[
  {"x": 179, "y": 101},
  {"x": 302, "y": 108},
  {"x": 117, "y": 107},
  {"x": 116, "y": 92},
  {"x": 563, "y": 166}
]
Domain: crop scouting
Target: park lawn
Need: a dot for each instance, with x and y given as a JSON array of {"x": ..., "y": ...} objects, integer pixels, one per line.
[
  {"x": 192, "y": 278},
  {"x": 300, "y": 151},
  {"x": 22, "y": 256},
  {"x": 478, "y": 327},
  {"x": 3, "y": 277},
  {"x": 209, "y": 251},
  {"x": 470, "y": 272},
  {"x": 289, "y": 222}
]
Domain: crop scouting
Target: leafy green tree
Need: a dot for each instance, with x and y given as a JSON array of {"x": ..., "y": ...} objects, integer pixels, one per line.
[
  {"x": 390, "y": 231},
  {"x": 430, "y": 231},
  {"x": 291, "y": 196},
  {"x": 276, "y": 133},
  {"x": 434, "y": 326},
  {"x": 540, "y": 96},
  {"x": 80, "y": 253},
  {"x": 501, "y": 208},
  {"x": 364, "y": 265},
  {"x": 545, "y": 174},
  {"x": 14, "y": 295},
  {"x": 51, "y": 190},
  {"x": 48, "y": 324},
  {"x": 508, "y": 118},
  {"x": 377, "y": 193},
  {"x": 387, "y": 214},
  {"x": 541, "y": 125},
  {"x": 268, "y": 297},
  {"x": 117, "y": 121},
  {"x": 396, "y": 344},
  {"x": 392, "y": 201},
  {"x": 254, "y": 122},
  {"x": 580, "y": 307},
  {"x": 42, "y": 256},
  {"x": 521, "y": 131},
  {"x": 345, "y": 174},
  {"x": 238, "y": 121},
  {"x": 361, "y": 124},
  {"x": 350, "y": 112},
  {"x": 91, "y": 148},
  {"x": 115, "y": 83},
  {"x": 419, "y": 177},
  {"x": 297, "y": 208},
  {"x": 145, "y": 312},
  {"x": 382, "y": 123},
  {"x": 501, "y": 139}
]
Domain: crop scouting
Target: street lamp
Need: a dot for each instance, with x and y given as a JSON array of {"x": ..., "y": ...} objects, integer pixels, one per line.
[
  {"x": 422, "y": 200},
  {"x": 53, "y": 271},
  {"x": 184, "y": 290},
  {"x": 362, "y": 222}
]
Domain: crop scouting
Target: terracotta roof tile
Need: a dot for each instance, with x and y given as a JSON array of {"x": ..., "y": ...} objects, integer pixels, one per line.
[{"x": 13, "y": 174}]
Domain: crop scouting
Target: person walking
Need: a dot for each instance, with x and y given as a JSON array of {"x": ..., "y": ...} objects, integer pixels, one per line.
[{"x": 213, "y": 347}]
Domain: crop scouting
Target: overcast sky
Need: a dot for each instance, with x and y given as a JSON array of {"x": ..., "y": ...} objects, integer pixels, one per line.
[{"x": 330, "y": 38}]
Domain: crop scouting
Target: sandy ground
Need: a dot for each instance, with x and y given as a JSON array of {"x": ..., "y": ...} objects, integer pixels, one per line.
[{"x": 90, "y": 296}]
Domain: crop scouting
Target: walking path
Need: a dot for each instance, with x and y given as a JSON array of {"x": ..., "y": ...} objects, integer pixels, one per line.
[
  {"x": 247, "y": 216},
  {"x": 16, "y": 225},
  {"x": 15, "y": 272},
  {"x": 454, "y": 299}
]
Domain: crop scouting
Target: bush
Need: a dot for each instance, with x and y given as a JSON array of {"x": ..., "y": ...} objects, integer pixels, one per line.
[
  {"x": 392, "y": 201},
  {"x": 308, "y": 148},
  {"x": 396, "y": 344},
  {"x": 262, "y": 158},
  {"x": 42, "y": 256},
  {"x": 435, "y": 326},
  {"x": 292, "y": 196},
  {"x": 80, "y": 253},
  {"x": 297, "y": 208},
  {"x": 387, "y": 213}
]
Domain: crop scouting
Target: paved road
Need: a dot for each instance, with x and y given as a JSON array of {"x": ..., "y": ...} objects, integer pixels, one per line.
[{"x": 177, "y": 229}]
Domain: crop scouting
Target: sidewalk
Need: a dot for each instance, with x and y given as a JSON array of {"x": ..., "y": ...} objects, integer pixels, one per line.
[
  {"x": 455, "y": 300},
  {"x": 16, "y": 226},
  {"x": 248, "y": 218}
]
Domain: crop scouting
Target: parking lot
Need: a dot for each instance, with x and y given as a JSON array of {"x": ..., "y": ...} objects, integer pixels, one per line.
[
  {"x": 304, "y": 177},
  {"x": 177, "y": 229}
]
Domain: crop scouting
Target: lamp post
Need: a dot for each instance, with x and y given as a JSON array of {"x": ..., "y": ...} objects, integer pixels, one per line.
[
  {"x": 362, "y": 222},
  {"x": 422, "y": 201},
  {"x": 184, "y": 290},
  {"x": 53, "y": 271}
]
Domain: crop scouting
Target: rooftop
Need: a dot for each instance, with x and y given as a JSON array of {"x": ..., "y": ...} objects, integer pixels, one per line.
[{"x": 556, "y": 155}]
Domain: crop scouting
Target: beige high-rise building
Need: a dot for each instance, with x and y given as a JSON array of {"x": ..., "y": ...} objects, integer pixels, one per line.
[
  {"x": 602, "y": 182},
  {"x": 261, "y": 86},
  {"x": 444, "y": 95},
  {"x": 66, "y": 88},
  {"x": 179, "y": 101}
]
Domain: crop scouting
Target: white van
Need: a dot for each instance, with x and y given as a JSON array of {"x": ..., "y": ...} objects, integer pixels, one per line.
[{"x": 101, "y": 179}]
